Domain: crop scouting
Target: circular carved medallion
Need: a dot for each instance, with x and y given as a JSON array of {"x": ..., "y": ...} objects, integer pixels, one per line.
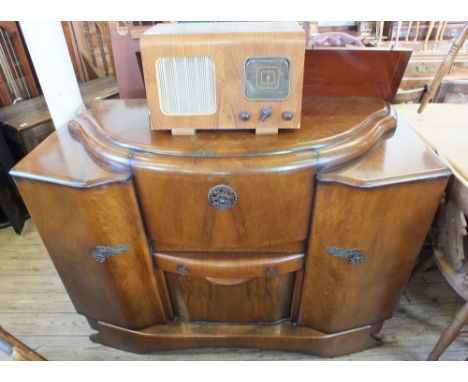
[{"x": 222, "y": 197}]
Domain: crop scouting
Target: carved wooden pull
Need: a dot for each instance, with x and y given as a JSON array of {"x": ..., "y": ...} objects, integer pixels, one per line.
[
  {"x": 101, "y": 252},
  {"x": 227, "y": 281}
]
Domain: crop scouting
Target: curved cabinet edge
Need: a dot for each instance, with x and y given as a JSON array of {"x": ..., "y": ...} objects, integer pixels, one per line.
[
  {"x": 60, "y": 159},
  {"x": 104, "y": 148},
  {"x": 70, "y": 182},
  {"x": 402, "y": 158},
  {"x": 373, "y": 183}
]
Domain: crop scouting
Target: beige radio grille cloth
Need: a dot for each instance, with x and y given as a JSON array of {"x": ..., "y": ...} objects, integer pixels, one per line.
[{"x": 186, "y": 85}]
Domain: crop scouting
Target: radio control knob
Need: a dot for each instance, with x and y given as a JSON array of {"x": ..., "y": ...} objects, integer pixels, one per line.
[
  {"x": 287, "y": 115},
  {"x": 265, "y": 113},
  {"x": 244, "y": 115}
]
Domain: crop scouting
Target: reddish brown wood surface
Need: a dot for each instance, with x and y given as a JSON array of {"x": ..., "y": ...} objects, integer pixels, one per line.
[
  {"x": 326, "y": 121},
  {"x": 272, "y": 209},
  {"x": 126, "y": 51},
  {"x": 354, "y": 72}
]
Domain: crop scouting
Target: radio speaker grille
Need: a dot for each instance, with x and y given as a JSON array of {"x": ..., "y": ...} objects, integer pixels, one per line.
[{"x": 186, "y": 85}]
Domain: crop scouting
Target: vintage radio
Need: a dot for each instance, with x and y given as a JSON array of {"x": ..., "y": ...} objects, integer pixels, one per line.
[{"x": 224, "y": 76}]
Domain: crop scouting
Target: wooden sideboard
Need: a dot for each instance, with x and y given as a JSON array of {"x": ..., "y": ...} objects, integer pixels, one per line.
[{"x": 301, "y": 241}]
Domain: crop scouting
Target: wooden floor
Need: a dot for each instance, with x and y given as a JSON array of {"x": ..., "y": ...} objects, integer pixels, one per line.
[{"x": 36, "y": 309}]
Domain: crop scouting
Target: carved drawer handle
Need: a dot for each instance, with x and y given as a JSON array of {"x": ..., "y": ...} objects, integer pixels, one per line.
[
  {"x": 101, "y": 252},
  {"x": 353, "y": 256}
]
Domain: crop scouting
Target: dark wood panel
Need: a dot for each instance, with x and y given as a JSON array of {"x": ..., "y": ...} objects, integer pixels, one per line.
[
  {"x": 388, "y": 225},
  {"x": 126, "y": 51},
  {"x": 354, "y": 72},
  {"x": 12, "y": 209},
  {"x": 272, "y": 208},
  {"x": 256, "y": 300},
  {"x": 249, "y": 288},
  {"x": 72, "y": 223}
]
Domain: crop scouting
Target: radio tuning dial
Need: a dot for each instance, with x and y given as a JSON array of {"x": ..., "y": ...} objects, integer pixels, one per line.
[{"x": 265, "y": 113}]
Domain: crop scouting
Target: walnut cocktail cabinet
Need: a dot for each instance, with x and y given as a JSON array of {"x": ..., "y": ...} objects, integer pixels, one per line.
[{"x": 301, "y": 241}]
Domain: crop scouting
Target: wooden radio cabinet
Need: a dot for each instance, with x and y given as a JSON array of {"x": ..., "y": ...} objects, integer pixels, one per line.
[
  {"x": 224, "y": 76},
  {"x": 301, "y": 241}
]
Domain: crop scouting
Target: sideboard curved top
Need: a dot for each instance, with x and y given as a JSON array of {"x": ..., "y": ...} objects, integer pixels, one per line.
[
  {"x": 325, "y": 121},
  {"x": 113, "y": 136}
]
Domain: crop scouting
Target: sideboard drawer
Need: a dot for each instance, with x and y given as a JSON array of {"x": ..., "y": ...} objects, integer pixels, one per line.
[
  {"x": 247, "y": 212},
  {"x": 230, "y": 287}
]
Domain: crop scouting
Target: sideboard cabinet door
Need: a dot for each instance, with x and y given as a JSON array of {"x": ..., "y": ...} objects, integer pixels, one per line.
[
  {"x": 364, "y": 243},
  {"x": 96, "y": 240}
]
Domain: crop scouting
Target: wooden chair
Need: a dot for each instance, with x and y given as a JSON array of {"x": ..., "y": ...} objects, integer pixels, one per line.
[
  {"x": 451, "y": 239},
  {"x": 15, "y": 350},
  {"x": 444, "y": 68},
  {"x": 450, "y": 257}
]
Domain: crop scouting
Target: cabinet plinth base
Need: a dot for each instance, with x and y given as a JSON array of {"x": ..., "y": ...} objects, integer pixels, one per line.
[{"x": 282, "y": 336}]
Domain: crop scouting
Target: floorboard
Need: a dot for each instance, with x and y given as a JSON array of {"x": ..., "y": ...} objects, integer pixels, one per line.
[{"x": 36, "y": 309}]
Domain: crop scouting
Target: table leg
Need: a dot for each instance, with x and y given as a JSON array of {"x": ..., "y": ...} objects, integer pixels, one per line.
[{"x": 450, "y": 333}]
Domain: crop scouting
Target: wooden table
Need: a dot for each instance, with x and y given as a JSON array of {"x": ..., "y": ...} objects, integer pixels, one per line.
[
  {"x": 301, "y": 241},
  {"x": 445, "y": 128},
  {"x": 27, "y": 123}
]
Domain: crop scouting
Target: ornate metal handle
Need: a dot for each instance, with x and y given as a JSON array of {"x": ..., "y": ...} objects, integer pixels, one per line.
[
  {"x": 353, "y": 256},
  {"x": 222, "y": 197},
  {"x": 101, "y": 252}
]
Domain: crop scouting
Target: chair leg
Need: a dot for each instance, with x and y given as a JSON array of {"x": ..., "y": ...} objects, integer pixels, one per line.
[{"x": 450, "y": 333}]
